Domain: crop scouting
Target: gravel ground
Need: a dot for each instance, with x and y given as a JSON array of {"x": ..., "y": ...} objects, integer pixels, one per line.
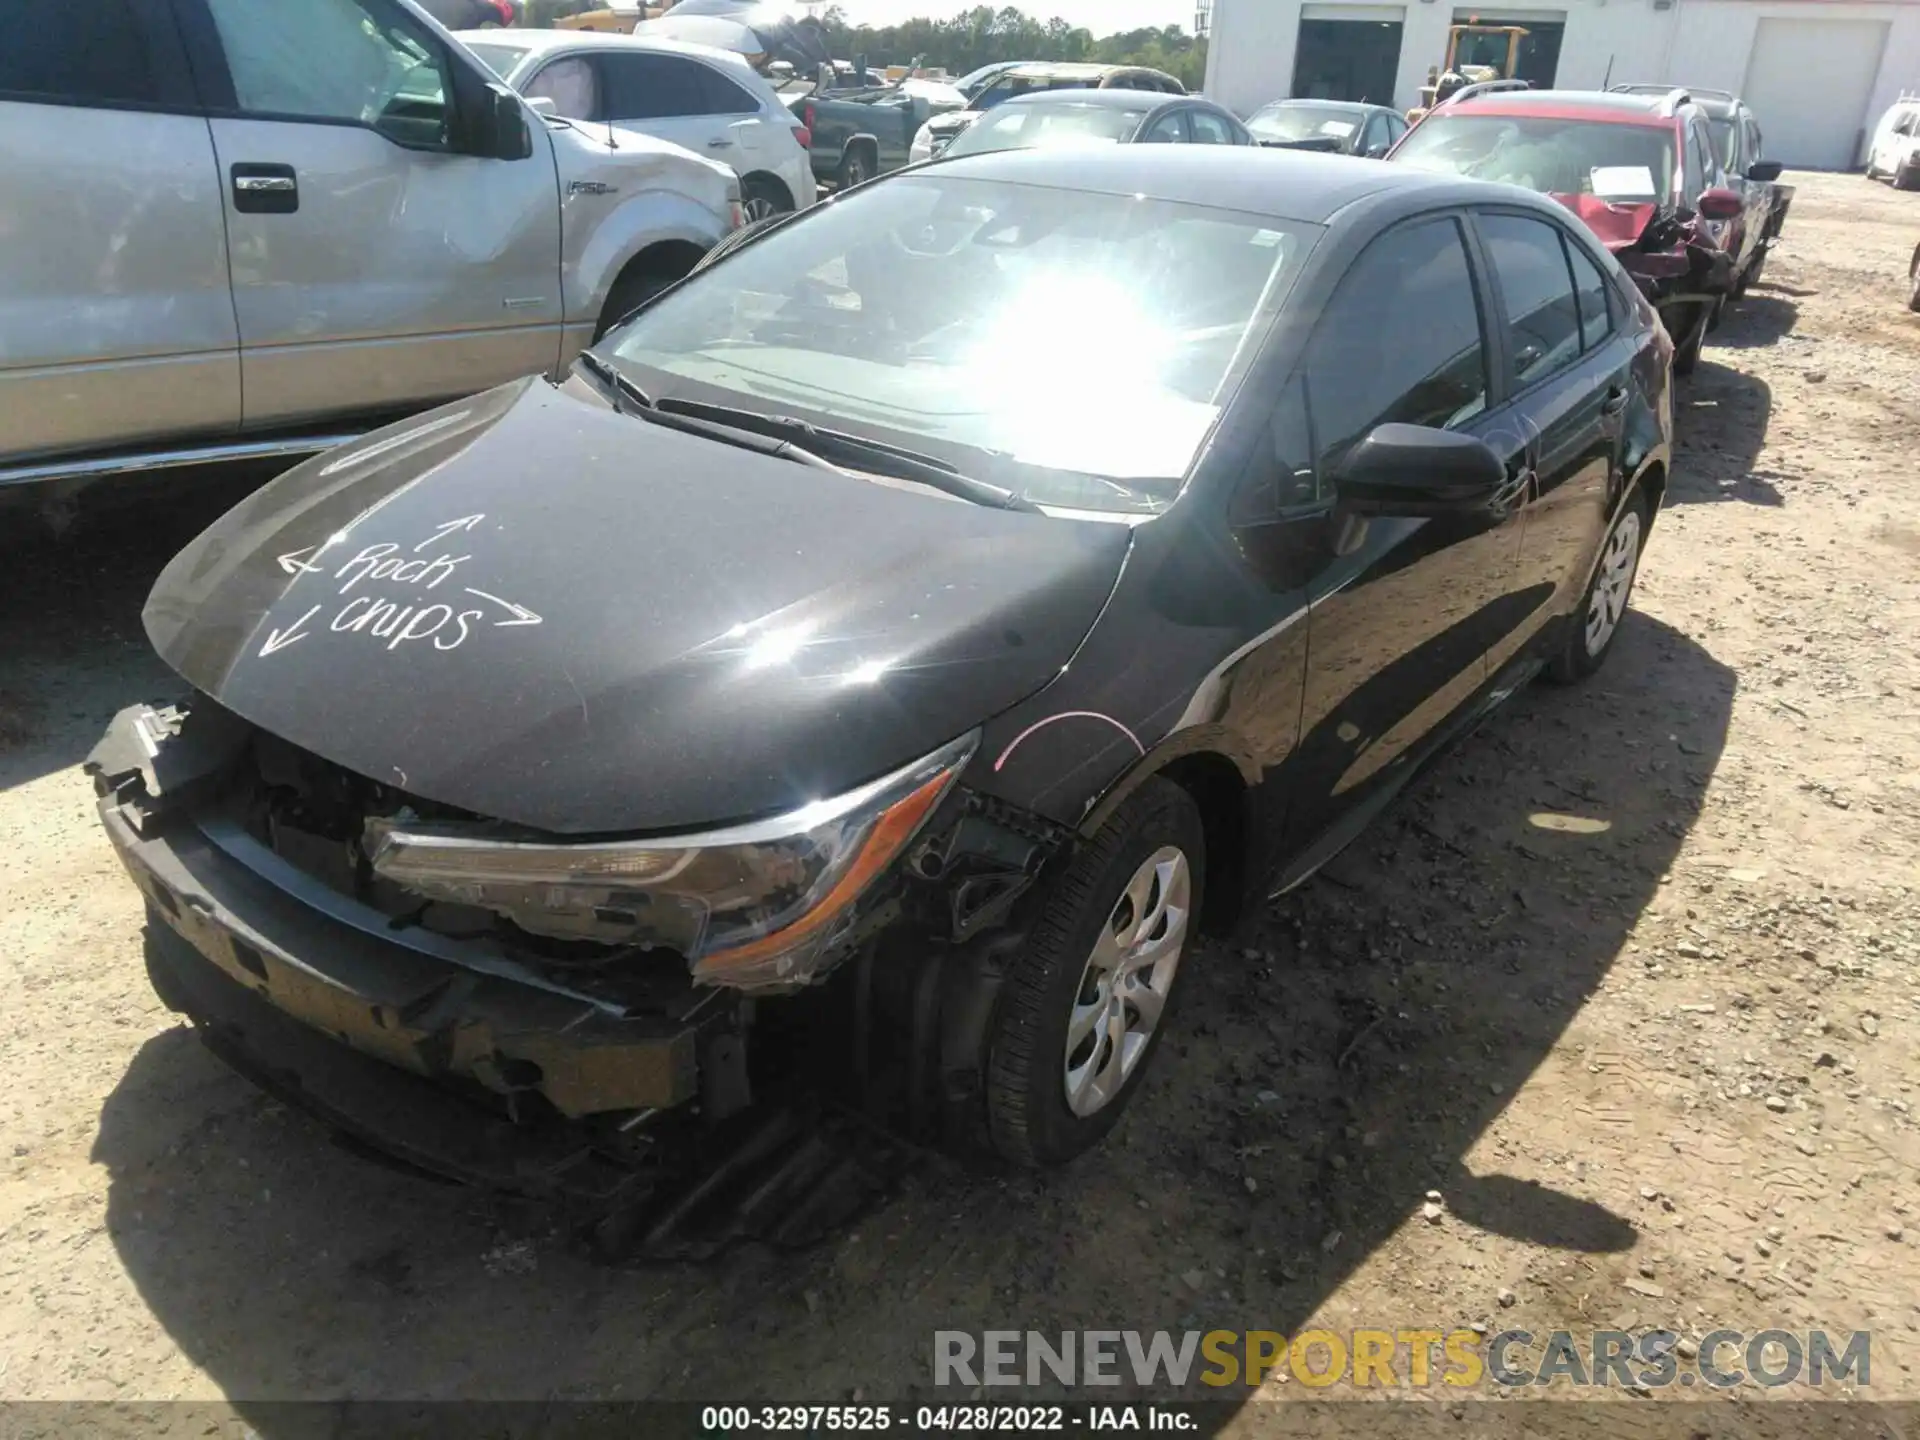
[{"x": 1629, "y": 981}]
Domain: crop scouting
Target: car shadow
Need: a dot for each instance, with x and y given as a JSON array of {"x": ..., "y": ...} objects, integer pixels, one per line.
[
  {"x": 1353, "y": 1050},
  {"x": 1759, "y": 319},
  {"x": 1720, "y": 424},
  {"x": 72, "y": 650}
]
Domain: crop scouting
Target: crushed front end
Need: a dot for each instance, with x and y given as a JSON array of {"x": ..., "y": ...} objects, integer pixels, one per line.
[
  {"x": 1672, "y": 258},
  {"x": 496, "y": 1009}
]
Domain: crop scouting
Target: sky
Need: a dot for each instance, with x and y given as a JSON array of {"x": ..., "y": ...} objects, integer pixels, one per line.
[{"x": 1103, "y": 17}]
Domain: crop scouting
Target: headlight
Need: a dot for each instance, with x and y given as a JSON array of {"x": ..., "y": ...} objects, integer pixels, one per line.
[
  {"x": 922, "y": 147},
  {"x": 751, "y": 906}
]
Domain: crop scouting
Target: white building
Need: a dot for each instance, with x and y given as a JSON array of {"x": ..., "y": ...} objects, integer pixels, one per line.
[{"x": 1816, "y": 72}]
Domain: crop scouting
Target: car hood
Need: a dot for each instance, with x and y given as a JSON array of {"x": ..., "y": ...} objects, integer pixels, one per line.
[{"x": 529, "y": 606}]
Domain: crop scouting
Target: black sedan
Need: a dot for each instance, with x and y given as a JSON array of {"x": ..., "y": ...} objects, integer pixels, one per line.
[
  {"x": 1332, "y": 125},
  {"x": 1051, "y": 119},
  {"x": 883, "y": 657}
]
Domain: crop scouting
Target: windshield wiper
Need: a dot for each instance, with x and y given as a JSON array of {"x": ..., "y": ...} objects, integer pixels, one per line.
[
  {"x": 874, "y": 456},
  {"x": 629, "y": 399}
]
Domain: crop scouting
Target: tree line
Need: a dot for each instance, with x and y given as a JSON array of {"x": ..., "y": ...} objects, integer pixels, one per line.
[
  {"x": 985, "y": 36},
  {"x": 980, "y": 36}
]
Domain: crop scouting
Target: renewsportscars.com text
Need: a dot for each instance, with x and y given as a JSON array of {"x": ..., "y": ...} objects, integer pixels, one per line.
[{"x": 1465, "y": 1359}]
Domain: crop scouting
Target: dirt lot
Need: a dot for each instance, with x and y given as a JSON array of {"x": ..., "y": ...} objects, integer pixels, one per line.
[{"x": 1632, "y": 980}]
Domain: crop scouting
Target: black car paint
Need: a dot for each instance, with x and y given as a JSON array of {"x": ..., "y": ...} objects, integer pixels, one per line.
[
  {"x": 625, "y": 710},
  {"x": 1291, "y": 666},
  {"x": 653, "y": 561}
]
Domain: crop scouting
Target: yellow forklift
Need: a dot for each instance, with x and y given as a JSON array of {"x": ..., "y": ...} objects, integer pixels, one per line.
[{"x": 1475, "y": 54}]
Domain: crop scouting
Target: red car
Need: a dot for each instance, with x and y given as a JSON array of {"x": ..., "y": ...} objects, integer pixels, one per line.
[{"x": 1640, "y": 170}]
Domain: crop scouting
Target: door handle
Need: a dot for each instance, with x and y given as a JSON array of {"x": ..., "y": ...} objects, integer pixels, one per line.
[
  {"x": 260, "y": 189},
  {"x": 721, "y": 144},
  {"x": 1615, "y": 401}
]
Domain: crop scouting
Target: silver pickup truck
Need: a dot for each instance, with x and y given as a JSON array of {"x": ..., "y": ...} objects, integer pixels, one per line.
[{"x": 236, "y": 229}]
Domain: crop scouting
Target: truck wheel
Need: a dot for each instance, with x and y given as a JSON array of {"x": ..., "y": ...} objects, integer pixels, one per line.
[
  {"x": 1084, "y": 1004},
  {"x": 634, "y": 288},
  {"x": 1913, "y": 282},
  {"x": 856, "y": 167},
  {"x": 1907, "y": 177}
]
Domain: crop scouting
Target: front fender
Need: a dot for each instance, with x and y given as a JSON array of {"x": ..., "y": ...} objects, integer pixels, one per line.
[{"x": 636, "y": 224}]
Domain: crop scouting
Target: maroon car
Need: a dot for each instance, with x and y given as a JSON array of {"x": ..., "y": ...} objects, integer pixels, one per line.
[{"x": 1640, "y": 170}]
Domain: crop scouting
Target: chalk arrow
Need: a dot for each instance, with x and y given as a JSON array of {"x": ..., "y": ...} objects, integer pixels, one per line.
[
  {"x": 294, "y": 562},
  {"x": 281, "y": 639},
  {"x": 521, "y": 615},
  {"x": 441, "y": 531}
]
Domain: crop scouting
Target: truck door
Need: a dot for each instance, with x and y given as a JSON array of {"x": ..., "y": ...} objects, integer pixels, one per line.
[{"x": 375, "y": 266}]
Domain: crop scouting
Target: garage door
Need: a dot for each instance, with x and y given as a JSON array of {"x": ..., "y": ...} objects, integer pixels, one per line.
[{"x": 1808, "y": 81}]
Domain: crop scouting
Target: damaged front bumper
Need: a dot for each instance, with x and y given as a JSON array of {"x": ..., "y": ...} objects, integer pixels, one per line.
[{"x": 442, "y": 1009}]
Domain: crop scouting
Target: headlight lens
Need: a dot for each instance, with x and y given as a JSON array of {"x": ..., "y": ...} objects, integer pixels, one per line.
[{"x": 751, "y": 906}]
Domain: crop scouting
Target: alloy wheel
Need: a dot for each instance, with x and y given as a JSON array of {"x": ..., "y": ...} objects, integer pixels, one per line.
[
  {"x": 1128, "y": 976},
  {"x": 759, "y": 207},
  {"x": 1614, "y": 582}
]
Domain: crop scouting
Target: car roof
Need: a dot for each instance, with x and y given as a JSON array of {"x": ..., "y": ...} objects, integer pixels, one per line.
[
  {"x": 1070, "y": 70},
  {"x": 1600, "y": 106},
  {"x": 540, "y": 42},
  {"x": 1114, "y": 99},
  {"x": 1340, "y": 107},
  {"x": 1293, "y": 185}
]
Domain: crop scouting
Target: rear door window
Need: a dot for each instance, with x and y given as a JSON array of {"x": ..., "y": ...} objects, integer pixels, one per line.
[
  {"x": 1209, "y": 128},
  {"x": 1543, "y": 318},
  {"x": 652, "y": 87},
  {"x": 78, "y": 51}
]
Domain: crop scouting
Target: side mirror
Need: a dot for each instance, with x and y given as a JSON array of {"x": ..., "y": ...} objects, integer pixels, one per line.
[
  {"x": 1720, "y": 203},
  {"x": 1764, "y": 171},
  {"x": 1413, "y": 470},
  {"x": 500, "y": 130}
]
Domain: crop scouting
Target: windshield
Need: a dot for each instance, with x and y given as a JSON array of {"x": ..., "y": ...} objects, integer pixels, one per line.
[
  {"x": 1019, "y": 127},
  {"x": 1073, "y": 347},
  {"x": 1555, "y": 157},
  {"x": 1302, "y": 122},
  {"x": 500, "y": 59}
]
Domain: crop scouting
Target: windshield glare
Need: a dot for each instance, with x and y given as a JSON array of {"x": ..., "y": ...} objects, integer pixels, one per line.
[
  {"x": 1050, "y": 341},
  {"x": 1301, "y": 122},
  {"x": 1555, "y": 157},
  {"x": 1017, "y": 127}
]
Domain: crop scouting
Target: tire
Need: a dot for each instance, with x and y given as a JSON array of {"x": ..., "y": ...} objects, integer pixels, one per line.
[
  {"x": 1913, "y": 282},
  {"x": 1907, "y": 177},
  {"x": 1136, "y": 862},
  {"x": 1686, "y": 355},
  {"x": 1590, "y": 636},
  {"x": 764, "y": 199},
  {"x": 632, "y": 290},
  {"x": 856, "y": 168}
]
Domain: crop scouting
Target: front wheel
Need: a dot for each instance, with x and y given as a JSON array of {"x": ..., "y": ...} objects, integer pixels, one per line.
[
  {"x": 1593, "y": 627},
  {"x": 1084, "y": 1005},
  {"x": 1913, "y": 281}
]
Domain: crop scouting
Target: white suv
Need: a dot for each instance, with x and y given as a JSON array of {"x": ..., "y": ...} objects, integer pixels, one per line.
[
  {"x": 234, "y": 228},
  {"x": 711, "y": 101},
  {"x": 1895, "y": 151}
]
